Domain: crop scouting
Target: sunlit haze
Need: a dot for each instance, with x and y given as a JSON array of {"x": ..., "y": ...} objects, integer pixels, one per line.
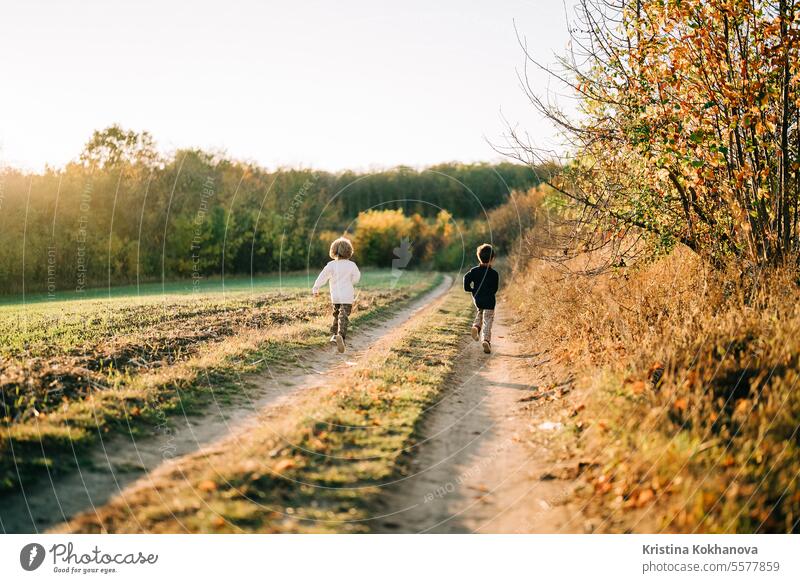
[{"x": 331, "y": 85}]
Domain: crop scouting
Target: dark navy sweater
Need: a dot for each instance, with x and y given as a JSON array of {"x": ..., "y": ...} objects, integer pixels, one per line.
[{"x": 482, "y": 282}]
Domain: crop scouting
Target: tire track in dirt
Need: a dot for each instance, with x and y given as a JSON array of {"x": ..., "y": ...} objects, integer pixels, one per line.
[
  {"x": 477, "y": 469},
  {"x": 123, "y": 459}
]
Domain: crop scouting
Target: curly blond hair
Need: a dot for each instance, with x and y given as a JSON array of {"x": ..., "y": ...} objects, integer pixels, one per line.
[{"x": 341, "y": 248}]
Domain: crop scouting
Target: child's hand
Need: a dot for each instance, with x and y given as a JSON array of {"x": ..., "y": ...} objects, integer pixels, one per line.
[{"x": 314, "y": 291}]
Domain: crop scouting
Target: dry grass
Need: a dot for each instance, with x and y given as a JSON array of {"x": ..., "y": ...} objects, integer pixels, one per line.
[{"x": 687, "y": 392}]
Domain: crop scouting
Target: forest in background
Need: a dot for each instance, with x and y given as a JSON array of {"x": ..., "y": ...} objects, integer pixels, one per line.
[{"x": 121, "y": 213}]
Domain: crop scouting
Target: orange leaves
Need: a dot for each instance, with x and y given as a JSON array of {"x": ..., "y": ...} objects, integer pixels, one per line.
[
  {"x": 681, "y": 404},
  {"x": 642, "y": 498},
  {"x": 576, "y": 410},
  {"x": 602, "y": 484},
  {"x": 703, "y": 103},
  {"x": 743, "y": 408},
  {"x": 283, "y": 465},
  {"x": 638, "y": 387},
  {"x": 692, "y": 378}
]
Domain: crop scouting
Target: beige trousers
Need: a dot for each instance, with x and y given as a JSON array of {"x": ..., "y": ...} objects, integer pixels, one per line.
[{"x": 484, "y": 320}]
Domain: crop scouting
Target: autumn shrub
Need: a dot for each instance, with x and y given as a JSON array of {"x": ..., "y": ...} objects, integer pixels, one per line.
[
  {"x": 504, "y": 227},
  {"x": 390, "y": 238},
  {"x": 507, "y": 223},
  {"x": 378, "y": 233},
  {"x": 686, "y": 387},
  {"x": 687, "y": 124}
]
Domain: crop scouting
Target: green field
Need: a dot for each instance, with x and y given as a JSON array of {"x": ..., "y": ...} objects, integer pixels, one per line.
[
  {"x": 371, "y": 278},
  {"x": 53, "y": 327}
]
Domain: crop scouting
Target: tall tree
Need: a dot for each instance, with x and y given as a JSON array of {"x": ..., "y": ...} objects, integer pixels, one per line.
[{"x": 688, "y": 126}]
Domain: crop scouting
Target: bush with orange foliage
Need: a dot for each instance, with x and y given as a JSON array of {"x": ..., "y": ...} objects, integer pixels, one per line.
[{"x": 381, "y": 235}]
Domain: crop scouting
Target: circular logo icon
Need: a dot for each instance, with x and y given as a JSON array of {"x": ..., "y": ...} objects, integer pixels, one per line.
[{"x": 31, "y": 556}]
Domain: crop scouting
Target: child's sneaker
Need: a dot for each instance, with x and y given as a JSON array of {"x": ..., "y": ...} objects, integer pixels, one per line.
[
  {"x": 476, "y": 333},
  {"x": 339, "y": 342},
  {"x": 487, "y": 347},
  {"x": 333, "y": 339}
]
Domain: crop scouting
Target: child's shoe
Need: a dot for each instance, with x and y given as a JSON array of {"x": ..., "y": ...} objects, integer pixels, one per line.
[
  {"x": 339, "y": 342},
  {"x": 476, "y": 333},
  {"x": 487, "y": 347},
  {"x": 333, "y": 339}
]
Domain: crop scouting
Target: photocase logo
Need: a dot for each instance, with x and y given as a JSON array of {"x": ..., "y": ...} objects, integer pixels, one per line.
[
  {"x": 31, "y": 556},
  {"x": 401, "y": 259}
]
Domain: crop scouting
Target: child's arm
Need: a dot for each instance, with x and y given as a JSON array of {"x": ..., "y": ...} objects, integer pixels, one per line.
[
  {"x": 356, "y": 276},
  {"x": 468, "y": 282},
  {"x": 322, "y": 279}
]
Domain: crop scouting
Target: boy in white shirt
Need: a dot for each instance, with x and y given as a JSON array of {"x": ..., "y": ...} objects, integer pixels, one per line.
[{"x": 343, "y": 274}]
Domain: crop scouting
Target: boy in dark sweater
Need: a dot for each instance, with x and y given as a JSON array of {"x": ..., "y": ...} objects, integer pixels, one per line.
[{"x": 482, "y": 282}]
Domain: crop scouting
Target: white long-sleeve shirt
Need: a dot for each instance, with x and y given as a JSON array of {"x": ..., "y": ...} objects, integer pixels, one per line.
[{"x": 343, "y": 274}]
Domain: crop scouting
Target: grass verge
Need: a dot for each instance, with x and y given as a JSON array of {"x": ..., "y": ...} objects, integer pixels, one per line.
[
  {"x": 687, "y": 413},
  {"x": 318, "y": 469}
]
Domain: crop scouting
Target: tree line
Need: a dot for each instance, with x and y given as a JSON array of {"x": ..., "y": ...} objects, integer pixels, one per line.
[{"x": 121, "y": 213}]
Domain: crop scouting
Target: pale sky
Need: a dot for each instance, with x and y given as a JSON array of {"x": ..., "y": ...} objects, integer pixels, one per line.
[{"x": 332, "y": 85}]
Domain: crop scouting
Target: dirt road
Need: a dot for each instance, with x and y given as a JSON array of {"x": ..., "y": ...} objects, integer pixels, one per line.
[{"x": 476, "y": 469}]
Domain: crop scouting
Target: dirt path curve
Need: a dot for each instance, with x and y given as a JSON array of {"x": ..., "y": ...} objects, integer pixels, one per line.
[
  {"x": 120, "y": 460},
  {"x": 476, "y": 469}
]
